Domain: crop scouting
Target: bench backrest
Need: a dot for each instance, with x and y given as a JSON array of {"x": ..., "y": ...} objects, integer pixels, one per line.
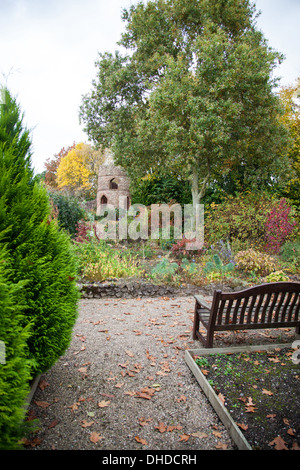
[{"x": 272, "y": 303}]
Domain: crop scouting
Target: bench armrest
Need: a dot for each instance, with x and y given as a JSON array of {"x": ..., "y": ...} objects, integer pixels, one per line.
[{"x": 202, "y": 302}]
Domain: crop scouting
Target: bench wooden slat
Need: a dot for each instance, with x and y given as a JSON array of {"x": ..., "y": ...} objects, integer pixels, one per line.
[
  {"x": 243, "y": 310},
  {"x": 221, "y": 310},
  {"x": 287, "y": 302},
  {"x": 275, "y": 297},
  {"x": 266, "y": 303},
  {"x": 273, "y": 305},
  {"x": 298, "y": 308},
  {"x": 292, "y": 307},
  {"x": 251, "y": 309},
  {"x": 257, "y": 308}
]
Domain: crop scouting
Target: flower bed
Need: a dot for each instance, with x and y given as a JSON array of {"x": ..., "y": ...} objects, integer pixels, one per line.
[{"x": 255, "y": 391}]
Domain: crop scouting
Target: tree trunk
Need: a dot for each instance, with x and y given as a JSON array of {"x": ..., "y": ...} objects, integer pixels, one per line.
[{"x": 197, "y": 194}]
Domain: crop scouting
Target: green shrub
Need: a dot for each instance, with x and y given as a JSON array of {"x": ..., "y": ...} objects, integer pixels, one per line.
[
  {"x": 290, "y": 253},
  {"x": 69, "y": 211},
  {"x": 240, "y": 220},
  {"x": 215, "y": 268},
  {"x": 251, "y": 261},
  {"x": 98, "y": 261},
  {"x": 159, "y": 189},
  {"x": 164, "y": 270},
  {"x": 277, "y": 277},
  {"x": 15, "y": 369}
]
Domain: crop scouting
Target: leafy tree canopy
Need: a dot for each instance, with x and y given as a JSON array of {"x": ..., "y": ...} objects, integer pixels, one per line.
[
  {"x": 194, "y": 95},
  {"x": 78, "y": 169},
  {"x": 290, "y": 96}
]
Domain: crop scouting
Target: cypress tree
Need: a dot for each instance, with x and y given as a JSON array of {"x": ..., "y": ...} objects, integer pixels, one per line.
[
  {"x": 40, "y": 253},
  {"x": 14, "y": 365}
]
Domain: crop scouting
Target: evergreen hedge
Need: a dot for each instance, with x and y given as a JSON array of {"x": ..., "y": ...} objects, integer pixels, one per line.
[
  {"x": 14, "y": 367},
  {"x": 40, "y": 258}
]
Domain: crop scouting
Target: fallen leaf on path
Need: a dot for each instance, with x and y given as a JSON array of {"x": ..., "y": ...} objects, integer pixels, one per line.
[
  {"x": 81, "y": 349},
  {"x": 86, "y": 424},
  {"x": 42, "y": 404},
  {"x": 31, "y": 443},
  {"x": 140, "y": 440},
  {"x": 151, "y": 358},
  {"x": 184, "y": 437},
  {"x": 182, "y": 398},
  {"x": 107, "y": 395},
  {"x": 178, "y": 427},
  {"x": 43, "y": 384},
  {"x": 83, "y": 370},
  {"x": 199, "y": 434},
  {"x": 146, "y": 393},
  {"x": 129, "y": 353},
  {"x": 164, "y": 428},
  {"x": 130, "y": 393},
  {"x": 124, "y": 365},
  {"x": 161, "y": 427},
  {"x": 95, "y": 437},
  {"x": 221, "y": 445},
  {"x": 73, "y": 407},
  {"x": 119, "y": 385},
  {"x": 53, "y": 424},
  {"x": 144, "y": 421},
  {"x": 103, "y": 403}
]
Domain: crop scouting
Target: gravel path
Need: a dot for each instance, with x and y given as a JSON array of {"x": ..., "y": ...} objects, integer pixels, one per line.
[{"x": 123, "y": 383}]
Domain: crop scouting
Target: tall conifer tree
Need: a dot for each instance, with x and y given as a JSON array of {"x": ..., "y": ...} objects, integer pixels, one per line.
[{"x": 39, "y": 252}]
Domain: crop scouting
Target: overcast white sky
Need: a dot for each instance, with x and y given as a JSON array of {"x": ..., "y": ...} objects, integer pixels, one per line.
[{"x": 48, "y": 49}]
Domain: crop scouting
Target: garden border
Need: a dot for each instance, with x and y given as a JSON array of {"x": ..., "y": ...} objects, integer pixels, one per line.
[
  {"x": 234, "y": 431},
  {"x": 129, "y": 288},
  {"x": 132, "y": 288}
]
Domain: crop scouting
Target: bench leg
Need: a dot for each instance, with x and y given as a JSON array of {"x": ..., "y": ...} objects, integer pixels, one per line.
[
  {"x": 210, "y": 338},
  {"x": 297, "y": 330},
  {"x": 196, "y": 323}
]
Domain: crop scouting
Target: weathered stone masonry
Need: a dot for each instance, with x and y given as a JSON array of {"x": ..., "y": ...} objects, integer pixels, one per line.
[{"x": 113, "y": 183}]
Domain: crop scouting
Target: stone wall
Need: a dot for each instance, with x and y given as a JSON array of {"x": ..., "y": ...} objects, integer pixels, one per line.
[{"x": 132, "y": 289}]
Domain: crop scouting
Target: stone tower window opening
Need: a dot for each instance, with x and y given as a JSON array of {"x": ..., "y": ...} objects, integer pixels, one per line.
[
  {"x": 114, "y": 183},
  {"x": 103, "y": 200}
]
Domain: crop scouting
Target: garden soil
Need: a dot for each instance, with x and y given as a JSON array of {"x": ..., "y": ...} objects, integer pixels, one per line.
[{"x": 123, "y": 383}]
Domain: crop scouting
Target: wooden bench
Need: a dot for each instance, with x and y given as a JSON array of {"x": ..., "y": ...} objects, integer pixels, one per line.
[{"x": 273, "y": 305}]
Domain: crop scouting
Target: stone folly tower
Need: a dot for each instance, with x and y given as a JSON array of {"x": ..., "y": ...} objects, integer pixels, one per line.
[{"x": 113, "y": 183}]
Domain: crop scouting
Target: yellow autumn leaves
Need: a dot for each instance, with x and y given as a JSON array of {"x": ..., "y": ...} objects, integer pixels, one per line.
[{"x": 78, "y": 170}]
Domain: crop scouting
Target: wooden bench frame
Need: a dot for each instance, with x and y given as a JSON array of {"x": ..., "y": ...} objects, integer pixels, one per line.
[{"x": 272, "y": 305}]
